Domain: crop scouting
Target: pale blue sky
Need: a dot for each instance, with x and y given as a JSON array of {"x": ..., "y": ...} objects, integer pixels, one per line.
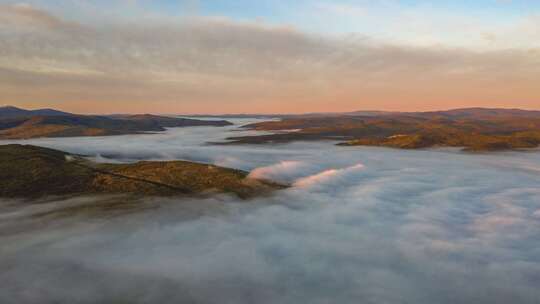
[
  {"x": 278, "y": 9},
  {"x": 458, "y": 23}
]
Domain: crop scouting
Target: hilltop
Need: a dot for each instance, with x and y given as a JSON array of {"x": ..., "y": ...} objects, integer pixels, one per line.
[
  {"x": 475, "y": 129},
  {"x": 31, "y": 172},
  {"x": 18, "y": 123}
]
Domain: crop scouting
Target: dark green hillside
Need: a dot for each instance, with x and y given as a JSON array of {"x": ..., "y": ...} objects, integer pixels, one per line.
[{"x": 28, "y": 171}]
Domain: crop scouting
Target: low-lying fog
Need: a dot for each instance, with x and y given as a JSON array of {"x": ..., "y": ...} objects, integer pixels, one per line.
[{"x": 359, "y": 225}]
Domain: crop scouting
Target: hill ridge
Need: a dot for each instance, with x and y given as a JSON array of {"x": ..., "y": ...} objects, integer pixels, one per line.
[{"x": 28, "y": 171}]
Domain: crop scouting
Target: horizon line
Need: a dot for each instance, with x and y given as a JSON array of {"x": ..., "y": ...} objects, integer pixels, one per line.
[{"x": 270, "y": 113}]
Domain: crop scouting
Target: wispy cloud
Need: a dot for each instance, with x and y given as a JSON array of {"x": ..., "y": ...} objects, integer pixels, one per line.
[{"x": 199, "y": 64}]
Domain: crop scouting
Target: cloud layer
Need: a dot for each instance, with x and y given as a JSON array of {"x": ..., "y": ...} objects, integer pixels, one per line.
[
  {"x": 404, "y": 227},
  {"x": 215, "y": 64}
]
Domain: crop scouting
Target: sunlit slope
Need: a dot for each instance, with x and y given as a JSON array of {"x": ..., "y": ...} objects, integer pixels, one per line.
[
  {"x": 472, "y": 129},
  {"x": 22, "y": 124},
  {"x": 30, "y": 171}
]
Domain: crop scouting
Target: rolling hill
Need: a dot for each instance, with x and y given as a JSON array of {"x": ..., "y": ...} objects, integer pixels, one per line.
[
  {"x": 10, "y": 112},
  {"x": 17, "y": 123},
  {"x": 31, "y": 172},
  {"x": 474, "y": 129}
]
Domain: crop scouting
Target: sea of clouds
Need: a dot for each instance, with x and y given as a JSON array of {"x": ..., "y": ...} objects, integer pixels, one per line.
[{"x": 358, "y": 225}]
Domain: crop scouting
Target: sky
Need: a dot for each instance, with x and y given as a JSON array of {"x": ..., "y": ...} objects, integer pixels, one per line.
[{"x": 269, "y": 56}]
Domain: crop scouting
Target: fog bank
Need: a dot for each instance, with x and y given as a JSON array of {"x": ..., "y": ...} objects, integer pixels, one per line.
[{"x": 359, "y": 225}]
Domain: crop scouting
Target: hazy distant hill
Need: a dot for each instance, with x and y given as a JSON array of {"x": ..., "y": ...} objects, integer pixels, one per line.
[
  {"x": 18, "y": 123},
  {"x": 172, "y": 122},
  {"x": 455, "y": 113},
  {"x": 479, "y": 113},
  {"x": 302, "y": 115},
  {"x": 11, "y": 112},
  {"x": 474, "y": 129}
]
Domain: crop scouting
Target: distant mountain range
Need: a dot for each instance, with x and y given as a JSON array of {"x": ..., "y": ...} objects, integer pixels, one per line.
[
  {"x": 473, "y": 113},
  {"x": 16, "y": 123},
  {"x": 463, "y": 112}
]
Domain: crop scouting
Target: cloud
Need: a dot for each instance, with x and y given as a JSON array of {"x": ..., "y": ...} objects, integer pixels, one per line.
[
  {"x": 327, "y": 175},
  {"x": 282, "y": 171},
  {"x": 426, "y": 24},
  {"x": 215, "y": 64},
  {"x": 28, "y": 16}
]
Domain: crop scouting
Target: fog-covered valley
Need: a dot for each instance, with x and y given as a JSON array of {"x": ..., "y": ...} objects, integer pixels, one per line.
[{"x": 357, "y": 225}]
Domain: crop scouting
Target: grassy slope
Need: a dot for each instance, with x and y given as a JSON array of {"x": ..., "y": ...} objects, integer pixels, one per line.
[
  {"x": 83, "y": 125},
  {"x": 32, "y": 172},
  {"x": 478, "y": 133}
]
